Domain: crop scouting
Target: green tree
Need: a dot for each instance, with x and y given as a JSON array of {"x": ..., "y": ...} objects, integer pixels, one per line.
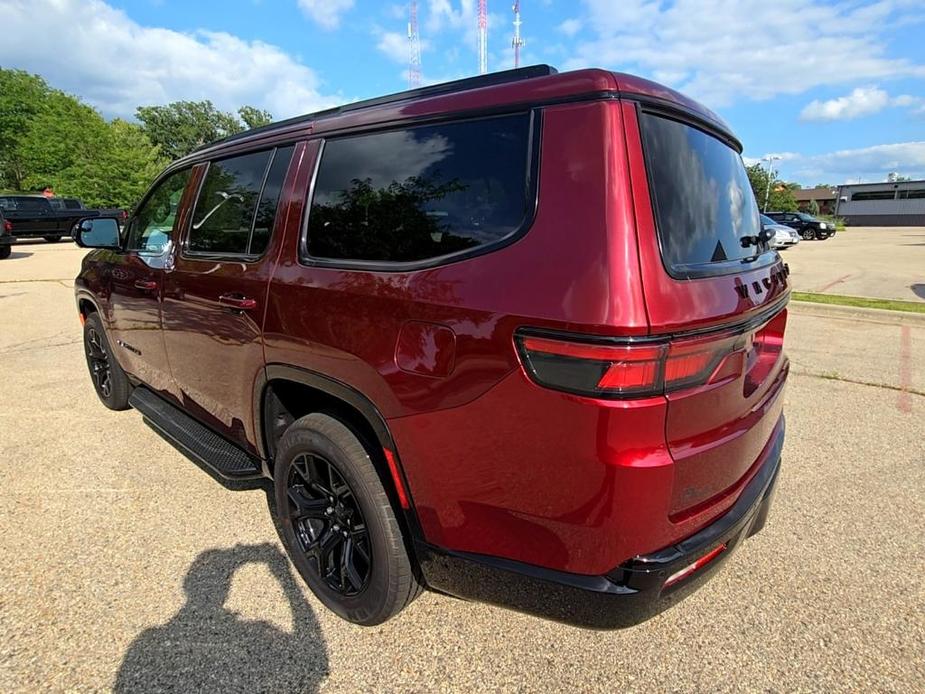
[
  {"x": 254, "y": 117},
  {"x": 814, "y": 208},
  {"x": 21, "y": 98},
  {"x": 780, "y": 197},
  {"x": 180, "y": 127}
]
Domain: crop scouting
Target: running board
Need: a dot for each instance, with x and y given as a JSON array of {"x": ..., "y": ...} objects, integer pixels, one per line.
[{"x": 192, "y": 438}]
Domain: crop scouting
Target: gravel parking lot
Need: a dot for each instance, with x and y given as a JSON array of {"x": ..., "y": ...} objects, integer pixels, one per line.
[{"x": 125, "y": 566}]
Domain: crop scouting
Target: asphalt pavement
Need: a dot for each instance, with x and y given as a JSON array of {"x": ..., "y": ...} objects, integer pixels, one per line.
[{"x": 125, "y": 566}]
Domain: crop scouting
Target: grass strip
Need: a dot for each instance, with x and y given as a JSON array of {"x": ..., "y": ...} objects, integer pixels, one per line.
[{"x": 860, "y": 302}]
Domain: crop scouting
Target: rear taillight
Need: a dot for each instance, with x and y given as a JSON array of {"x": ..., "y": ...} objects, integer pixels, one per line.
[
  {"x": 630, "y": 369},
  {"x": 7, "y": 225}
]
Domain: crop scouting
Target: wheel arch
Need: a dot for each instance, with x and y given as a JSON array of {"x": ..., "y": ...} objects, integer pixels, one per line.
[{"x": 287, "y": 393}]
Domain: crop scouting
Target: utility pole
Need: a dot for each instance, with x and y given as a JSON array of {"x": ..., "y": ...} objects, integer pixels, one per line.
[
  {"x": 767, "y": 192},
  {"x": 414, "y": 48},
  {"x": 483, "y": 37},
  {"x": 518, "y": 42}
]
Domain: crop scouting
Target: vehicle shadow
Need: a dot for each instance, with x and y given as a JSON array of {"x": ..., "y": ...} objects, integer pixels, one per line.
[
  {"x": 18, "y": 254},
  {"x": 207, "y": 647},
  {"x": 918, "y": 289}
]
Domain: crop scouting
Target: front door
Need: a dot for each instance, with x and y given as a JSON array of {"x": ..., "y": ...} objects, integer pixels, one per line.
[
  {"x": 215, "y": 291},
  {"x": 136, "y": 281}
]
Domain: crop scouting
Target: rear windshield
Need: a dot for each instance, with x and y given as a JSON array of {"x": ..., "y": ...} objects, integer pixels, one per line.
[
  {"x": 703, "y": 201},
  {"x": 24, "y": 204}
]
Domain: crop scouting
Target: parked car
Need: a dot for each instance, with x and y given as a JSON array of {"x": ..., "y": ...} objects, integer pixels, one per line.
[
  {"x": 783, "y": 236},
  {"x": 6, "y": 237},
  {"x": 808, "y": 226},
  {"x": 34, "y": 216},
  {"x": 60, "y": 204},
  {"x": 486, "y": 337}
]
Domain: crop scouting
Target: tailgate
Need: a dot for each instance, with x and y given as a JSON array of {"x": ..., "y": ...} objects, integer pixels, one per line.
[{"x": 715, "y": 288}]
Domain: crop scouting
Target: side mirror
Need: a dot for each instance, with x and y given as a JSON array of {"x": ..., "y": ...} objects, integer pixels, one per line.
[{"x": 98, "y": 232}]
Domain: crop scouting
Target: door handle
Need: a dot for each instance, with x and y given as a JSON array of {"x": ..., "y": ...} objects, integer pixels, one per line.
[
  {"x": 145, "y": 284},
  {"x": 238, "y": 302}
]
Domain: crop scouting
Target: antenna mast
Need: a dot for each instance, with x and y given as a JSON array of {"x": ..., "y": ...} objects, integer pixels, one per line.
[
  {"x": 414, "y": 48},
  {"x": 483, "y": 37},
  {"x": 518, "y": 42}
]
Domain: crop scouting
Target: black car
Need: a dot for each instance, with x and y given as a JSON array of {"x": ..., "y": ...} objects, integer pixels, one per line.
[
  {"x": 809, "y": 227},
  {"x": 33, "y": 216},
  {"x": 6, "y": 237}
]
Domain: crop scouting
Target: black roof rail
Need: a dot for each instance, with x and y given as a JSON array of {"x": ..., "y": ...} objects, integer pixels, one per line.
[{"x": 461, "y": 85}]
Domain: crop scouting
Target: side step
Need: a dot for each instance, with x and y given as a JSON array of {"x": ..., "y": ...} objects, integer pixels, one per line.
[{"x": 192, "y": 438}]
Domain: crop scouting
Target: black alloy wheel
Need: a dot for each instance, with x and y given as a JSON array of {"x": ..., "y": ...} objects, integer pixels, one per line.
[
  {"x": 98, "y": 360},
  {"x": 329, "y": 524}
]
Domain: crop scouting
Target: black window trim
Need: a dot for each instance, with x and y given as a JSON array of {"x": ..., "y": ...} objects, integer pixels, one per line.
[
  {"x": 167, "y": 173},
  {"x": 246, "y": 257},
  {"x": 531, "y": 184},
  {"x": 694, "y": 271}
]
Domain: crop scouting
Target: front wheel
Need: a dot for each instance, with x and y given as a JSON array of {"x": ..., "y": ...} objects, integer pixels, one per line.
[
  {"x": 338, "y": 524},
  {"x": 109, "y": 380},
  {"x": 808, "y": 235}
]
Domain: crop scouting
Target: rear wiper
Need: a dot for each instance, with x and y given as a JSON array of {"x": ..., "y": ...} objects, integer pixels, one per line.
[{"x": 763, "y": 237}]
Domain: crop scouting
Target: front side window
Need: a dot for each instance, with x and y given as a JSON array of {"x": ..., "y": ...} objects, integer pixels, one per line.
[
  {"x": 704, "y": 205},
  {"x": 421, "y": 193},
  {"x": 152, "y": 227},
  {"x": 225, "y": 209}
]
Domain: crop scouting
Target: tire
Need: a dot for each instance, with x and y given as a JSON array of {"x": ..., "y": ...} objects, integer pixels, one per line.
[
  {"x": 319, "y": 458},
  {"x": 5, "y": 252},
  {"x": 52, "y": 239},
  {"x": 808, "y": 234},
  {"x": 112, "y": 388}
]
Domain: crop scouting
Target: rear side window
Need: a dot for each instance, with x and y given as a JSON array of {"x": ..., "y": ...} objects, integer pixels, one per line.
[
  {"x": 421, "y": 193},
  {"x": 703, "y": 202},
  {"x": 237, "y": 204}
]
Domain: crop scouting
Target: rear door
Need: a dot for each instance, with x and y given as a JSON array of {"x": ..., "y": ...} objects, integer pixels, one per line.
[
  {"x": 215, "y": 291},
  {"x": 717, "y": 292}
]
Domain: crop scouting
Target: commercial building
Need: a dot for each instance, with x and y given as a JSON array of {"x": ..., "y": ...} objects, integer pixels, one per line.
[{"x": 890, "y": 204}]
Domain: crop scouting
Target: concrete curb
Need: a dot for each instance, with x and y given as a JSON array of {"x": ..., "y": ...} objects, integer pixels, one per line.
[{"x": 870, "y": 315}]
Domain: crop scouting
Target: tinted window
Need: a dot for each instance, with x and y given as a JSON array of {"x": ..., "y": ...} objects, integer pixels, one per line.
[
  {"x": 421, "y": 193},
  {"x": 227, "y": 201},
  {"x": 24, "y": 204},
  {"x": 72, "y": 204},
  {"x": 703, "y": 201},
  {"x": 153, "y": 224},
  {"x": 873, "y": 195},
  {"x": 269, "y": 200}
]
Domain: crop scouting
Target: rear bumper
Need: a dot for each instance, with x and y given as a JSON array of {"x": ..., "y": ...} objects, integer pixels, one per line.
[{"x": 628, "y": 595}]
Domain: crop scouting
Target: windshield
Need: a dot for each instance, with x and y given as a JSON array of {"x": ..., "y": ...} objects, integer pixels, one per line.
[
  {"x": 704, "y": 204},
  {"x": 767, "y": 221}
]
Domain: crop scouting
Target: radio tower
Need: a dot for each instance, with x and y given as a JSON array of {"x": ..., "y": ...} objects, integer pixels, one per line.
[
  {"x": 414, "y": 48},
  {"x": 483, "y": 37},
  {"x": 518, "y": 42}
]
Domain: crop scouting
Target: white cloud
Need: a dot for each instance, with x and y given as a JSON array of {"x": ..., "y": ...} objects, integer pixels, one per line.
[
  {"x": 395, "y": 46},
  {"x": 115, "y": 64},
  {"x": 570, "y": 27},
  {"x": 863, "y": 101},
  {"x": 867, "y": 163},
  {"x": 720, "y": 51},
  {"x": 326, "y": 13}
]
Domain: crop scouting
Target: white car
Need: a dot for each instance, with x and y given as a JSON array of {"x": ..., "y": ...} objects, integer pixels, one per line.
[{"x": 784, "y": 236}]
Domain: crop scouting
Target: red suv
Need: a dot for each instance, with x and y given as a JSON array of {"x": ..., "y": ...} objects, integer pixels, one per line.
[{"x": 516, "y": 338}]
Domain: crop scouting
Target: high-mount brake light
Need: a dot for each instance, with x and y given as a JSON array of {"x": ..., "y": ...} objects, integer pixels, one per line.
[{"x": 631, "y": 369}]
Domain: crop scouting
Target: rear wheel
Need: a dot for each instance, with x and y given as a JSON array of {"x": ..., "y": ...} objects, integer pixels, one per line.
[
  {"x": 338, "y": 524},
  {"x": 109, "y": 380},
  {"x": 52, "y": 239},
  {"x": 5, "y": 252}
]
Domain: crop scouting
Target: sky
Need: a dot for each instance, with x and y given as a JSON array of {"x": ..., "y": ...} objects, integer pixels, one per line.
[{"x": 835, "y": 89}]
